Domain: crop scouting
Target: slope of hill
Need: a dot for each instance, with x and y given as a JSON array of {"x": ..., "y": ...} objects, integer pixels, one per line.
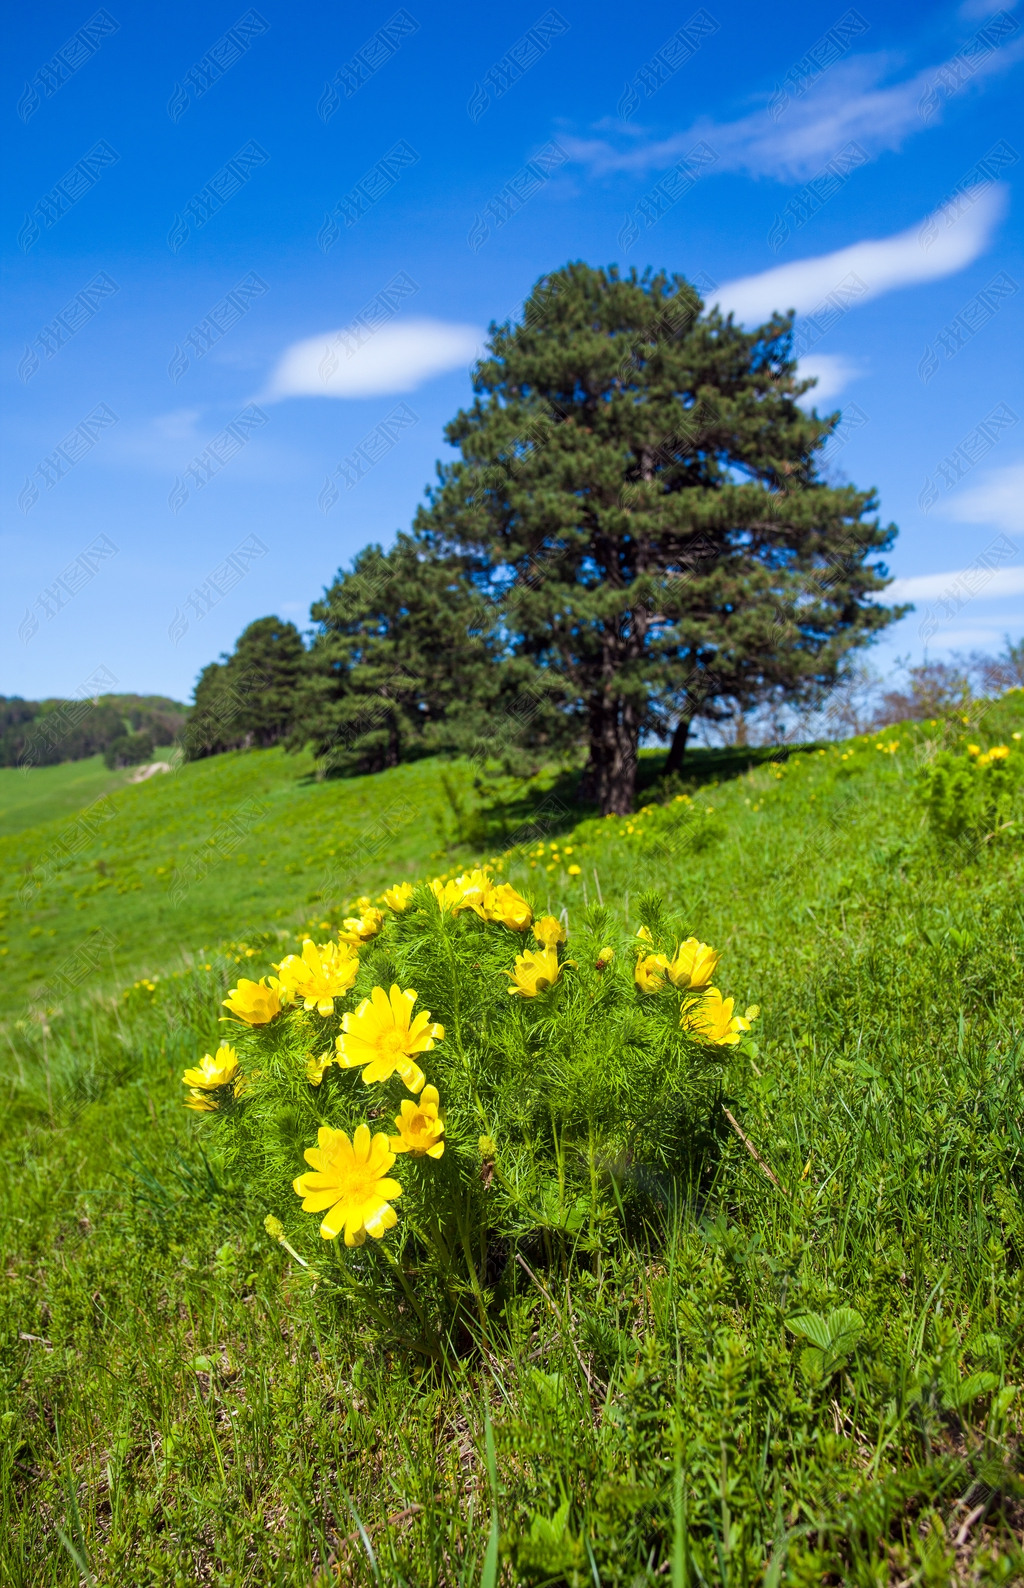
[{"x": 807, "y": 1371}]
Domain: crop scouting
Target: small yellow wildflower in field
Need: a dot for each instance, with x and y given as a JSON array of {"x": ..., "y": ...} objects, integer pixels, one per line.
[
  {"x": 998, "y": 752},
  {"x": 420, "y": 1127},
  {"x": 321, "y": 973},
  {"x": 356, "y": 929},
  {"x": 350, "y": 1180},
  {"x": 382, "y": 1036},
  {"x": 693, "y": 965},
  {"x": 549, "y": 931},
  {"x": 398, "y": 897},
  {"x": 509, "y": 908},
  {"x": 213, "y": 1070},
  {"x": 711, "y": 1017},
  {"x": 974, "y": 749},
  {"x": 650, "y": 971},
  {"x": 255, "y": 1002},
  {"x": 535, "y": 971},
  {"x": 475, "y": 888}
]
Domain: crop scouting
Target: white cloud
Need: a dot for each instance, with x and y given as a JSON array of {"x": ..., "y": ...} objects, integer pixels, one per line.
[
  {"x": 980, "y": 10},
  {"x": 396, "y": 358},
  {"x": 942, "y": 244},
  {"x": 832, "y": 371},
  {"x": 998, "y": 500},
  {"x": 849, "y": 104},
  {"x": 989, "y": 584}
]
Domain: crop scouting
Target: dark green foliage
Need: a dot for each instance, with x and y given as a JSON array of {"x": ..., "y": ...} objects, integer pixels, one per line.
[
  {"x": 49, "y": 732},
  {"x": 640, "y": 488},
  {"x": 248, "y": 698},
  {"x": 400, "y": 663},
  {"x": 129, "y": 749}
]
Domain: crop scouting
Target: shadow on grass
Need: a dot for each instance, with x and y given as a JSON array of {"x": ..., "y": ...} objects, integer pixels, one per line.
[{"x": 497, "y": 814}]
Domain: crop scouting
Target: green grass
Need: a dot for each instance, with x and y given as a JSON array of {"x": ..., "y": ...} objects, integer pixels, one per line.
[
  {"x": 50, "y": 793},
  {"x": 229, "y": 846},
  {"x": 179, "y": 1404}
]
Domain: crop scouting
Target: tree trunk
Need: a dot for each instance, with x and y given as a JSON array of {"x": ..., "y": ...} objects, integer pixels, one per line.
[
  {"x": 677, "y": 749},
  {"x": 609, "y": 777}
]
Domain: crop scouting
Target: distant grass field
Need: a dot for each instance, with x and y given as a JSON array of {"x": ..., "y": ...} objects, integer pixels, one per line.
[
  {"x": 48, "y": 793},
  {"x": 688, "y": 1405}
]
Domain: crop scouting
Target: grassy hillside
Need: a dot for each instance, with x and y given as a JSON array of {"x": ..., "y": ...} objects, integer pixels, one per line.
[
  {"x": 50, "y": 793},
  {"x": 687, "y": 1403}
]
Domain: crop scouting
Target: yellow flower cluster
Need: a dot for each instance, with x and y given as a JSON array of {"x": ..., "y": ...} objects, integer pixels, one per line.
[
  {"x": 708, "y": 1016},
  {"x": 351, "y": 1179},
  {"x": 492, "y": 901},
  {"x": 321, "y": 973},
  {"x": 991, "y": 757},
  {"x": 213, "y": 1073}
]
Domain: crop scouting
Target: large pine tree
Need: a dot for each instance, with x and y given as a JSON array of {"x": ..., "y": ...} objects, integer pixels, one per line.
[{"x": 640, "y": 488}]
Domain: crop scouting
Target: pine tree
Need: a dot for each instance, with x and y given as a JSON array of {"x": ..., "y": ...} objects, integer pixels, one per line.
[
  {"x": 249, "y": 697},
  {"x": 641, "y": 489},
  {"x": 401, "y": 635}
]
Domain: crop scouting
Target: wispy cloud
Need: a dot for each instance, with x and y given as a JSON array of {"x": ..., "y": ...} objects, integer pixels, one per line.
[
  {"x": 945, "y": 242},
  {"x": 998, "y": 500},
  {"x": 832, "y": 371},
  {"x": 852, "y": 103},
  {"x": 396, "y": 358},
  {"x": 933, "y": 586}
]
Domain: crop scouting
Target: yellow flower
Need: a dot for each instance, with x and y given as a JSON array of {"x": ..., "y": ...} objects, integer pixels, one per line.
[
  {"x": 316, "y": 1066},
  {"x": 974, "y": 749},
  {"x": 508, "y": 908},
  {"x": 711, "y": 1018},
  {"x": 255, "y": 1002},
  {"x": 382, "y": 1036},
  {"x": 999, "y": 752},
  {"x": 1015, "y": 736},
  {"x": 202, "y": 1102},
  {"x": 693, "y": 965},
  {"x": 574, "y": 870},
  {"x": 644, "y": 934},
  {"x": 447, "y": 894},
  {"x": 535, "y": 971},
  {"x": 321, "y": 973},
  {"x": 213, "y": 1070},
  {"x": 474, "y": 889},
  {"x": 549, "y": 931},
  {"x": 350, "y": 1180},
  {"x": 420, "y": 1126},
  {"x": 398, "y": 897},
  {"x": 649, "y": 974},
  {"x": 358, "y": 929}
]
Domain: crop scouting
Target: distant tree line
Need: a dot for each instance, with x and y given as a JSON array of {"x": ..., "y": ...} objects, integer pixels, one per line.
[{"x": 125, "y": 729}]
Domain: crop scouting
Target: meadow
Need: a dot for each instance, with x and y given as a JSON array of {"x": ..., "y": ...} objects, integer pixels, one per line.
[{"x": 802, "y": 1365}]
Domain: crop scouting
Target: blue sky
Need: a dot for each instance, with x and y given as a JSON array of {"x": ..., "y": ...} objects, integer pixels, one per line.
[{"x": 197, "y": 202}]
